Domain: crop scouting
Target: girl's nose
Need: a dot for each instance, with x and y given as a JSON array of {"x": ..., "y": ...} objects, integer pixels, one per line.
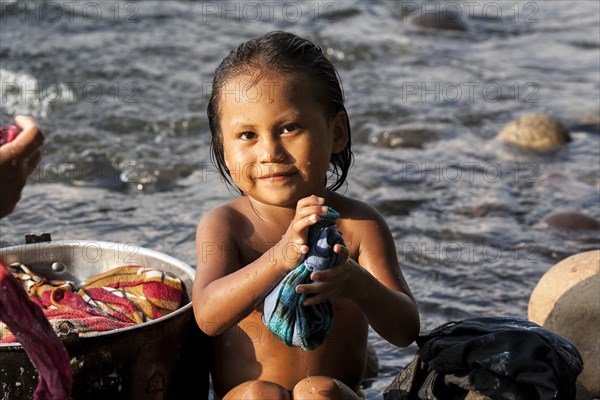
[{"x": 271, "y": 151}]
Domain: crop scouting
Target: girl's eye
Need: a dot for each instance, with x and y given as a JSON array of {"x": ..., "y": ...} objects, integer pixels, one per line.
[
  {"x": 247, "y": 135},
  {"x": 289, "y": 128}
]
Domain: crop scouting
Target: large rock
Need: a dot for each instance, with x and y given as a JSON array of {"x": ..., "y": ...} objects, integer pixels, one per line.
[
  {"x": 558, "y": 280},
  {"x": 535, "y": 132},
  {"x": 566, "y": 300}
]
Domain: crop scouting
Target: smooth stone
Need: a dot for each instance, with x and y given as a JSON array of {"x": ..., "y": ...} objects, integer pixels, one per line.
[
  {"x": 571, "y": 220},
  {"x": 566, "y": 300},
  {"x": 576, "y": 316},
  {"x": 559, "y": 279},
  {"x": 447, "y": 19},
  {"x": 534, "y": 132},
  {"x": 398, "y": 206},
  {"x": 409, "y": 138}
]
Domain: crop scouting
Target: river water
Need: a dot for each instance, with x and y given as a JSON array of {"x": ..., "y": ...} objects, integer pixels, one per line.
[{"x": 120, "y": 90}]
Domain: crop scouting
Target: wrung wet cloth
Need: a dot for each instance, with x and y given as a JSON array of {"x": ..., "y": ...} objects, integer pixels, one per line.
[{"x": 284, "y": 314}]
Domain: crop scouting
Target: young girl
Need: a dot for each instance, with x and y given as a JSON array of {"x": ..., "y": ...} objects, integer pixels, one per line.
[{"x": 280, "y": 134}]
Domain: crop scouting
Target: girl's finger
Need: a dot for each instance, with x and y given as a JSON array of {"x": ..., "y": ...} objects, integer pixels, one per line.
[
  {"x": 312, "y": 209},
  {"x": 302, "y": 225},
  {"x": 314, "y": 300},
  {"x": 326, "y": 275},
  {"x": 342, "y": 253},
  {"x": 310, "y": 288},
  {"x": 341, "y": 250},
  {"x": 310, "y": 200}
]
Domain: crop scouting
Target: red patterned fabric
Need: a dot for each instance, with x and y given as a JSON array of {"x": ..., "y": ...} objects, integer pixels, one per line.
[
  {"x": 121, "y": 297},
  {"x": 30, "y": 327}
]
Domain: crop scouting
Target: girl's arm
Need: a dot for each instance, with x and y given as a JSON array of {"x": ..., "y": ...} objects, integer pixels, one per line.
[
  {"x": 225, "y": 289},
  {"x": 224, "y": 293},
  {"x": 375, "y": 283}
]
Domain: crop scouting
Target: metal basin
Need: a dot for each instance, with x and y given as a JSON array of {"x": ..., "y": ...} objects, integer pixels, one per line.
[{"x": 166, "y": 358}]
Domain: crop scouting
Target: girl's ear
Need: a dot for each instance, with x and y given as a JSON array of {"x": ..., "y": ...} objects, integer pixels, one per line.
[{"x": 339, "y": 127}]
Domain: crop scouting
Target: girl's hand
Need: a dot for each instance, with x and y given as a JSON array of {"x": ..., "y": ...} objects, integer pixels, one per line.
[
  {"x": 341, "y": 280},
  {"x": 292, "y": 247}
]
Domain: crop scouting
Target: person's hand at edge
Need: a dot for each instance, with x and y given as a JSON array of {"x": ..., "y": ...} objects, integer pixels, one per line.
[{"x": 18, "y": 159}]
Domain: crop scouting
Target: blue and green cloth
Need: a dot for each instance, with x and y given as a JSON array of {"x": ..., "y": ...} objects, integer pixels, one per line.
[{"x": 284, "y": 315}]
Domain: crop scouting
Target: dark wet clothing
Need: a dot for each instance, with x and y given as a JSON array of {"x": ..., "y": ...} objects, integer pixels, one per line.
[{"x": 502, "y": 358}]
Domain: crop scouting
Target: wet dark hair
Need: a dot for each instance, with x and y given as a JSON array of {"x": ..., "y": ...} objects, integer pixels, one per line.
[{"x": 286, "y": 53}]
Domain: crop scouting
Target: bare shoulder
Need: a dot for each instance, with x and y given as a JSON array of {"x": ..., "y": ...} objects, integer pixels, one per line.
[
  {"x": 369, "y": 240},
  {"x": 355, "y": 211},
  {"x": 363, "y": 227},
  {"x": 218, "y": 243},
  {"x": 222, "y": 220}
]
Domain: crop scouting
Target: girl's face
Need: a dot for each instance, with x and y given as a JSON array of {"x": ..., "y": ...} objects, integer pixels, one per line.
[{"x": 277, "y": 139}]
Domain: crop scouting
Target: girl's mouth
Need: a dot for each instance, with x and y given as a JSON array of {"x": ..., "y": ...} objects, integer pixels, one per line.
[{"x": 276, "y": 176}]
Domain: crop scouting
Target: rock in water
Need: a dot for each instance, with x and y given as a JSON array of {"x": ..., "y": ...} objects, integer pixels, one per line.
[
  {"x": 573, "y": 221},
  {"x": 566, "y": 300},
  {"x": 446, "y": 19},
  {"x": 535, "y": 132}
]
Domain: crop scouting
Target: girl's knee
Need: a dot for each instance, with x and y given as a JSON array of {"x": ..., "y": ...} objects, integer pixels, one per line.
[
  {"x": 322, "y": 388},
  {"x": 258, "y": 390}
]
